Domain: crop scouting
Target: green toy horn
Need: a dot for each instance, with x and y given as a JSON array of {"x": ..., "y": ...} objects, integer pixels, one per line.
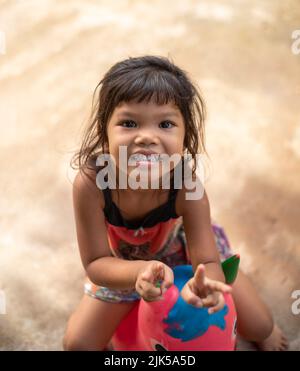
[{"x": 230, "y": 268}]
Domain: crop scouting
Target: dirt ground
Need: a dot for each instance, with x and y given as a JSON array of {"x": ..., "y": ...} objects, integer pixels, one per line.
[{"x": 239, "y": 54}]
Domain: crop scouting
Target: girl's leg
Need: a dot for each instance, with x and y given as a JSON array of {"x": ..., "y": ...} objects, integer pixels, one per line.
[
  {"x": 254, "y": 320},
  {"x": 93, "y": 323}
]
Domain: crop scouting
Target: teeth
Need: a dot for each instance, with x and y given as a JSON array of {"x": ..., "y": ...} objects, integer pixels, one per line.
[{"x": 141, "y": 157}]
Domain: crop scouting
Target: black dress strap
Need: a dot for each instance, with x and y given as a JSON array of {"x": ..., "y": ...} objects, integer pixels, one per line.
[{"x": 160, "y": 214}]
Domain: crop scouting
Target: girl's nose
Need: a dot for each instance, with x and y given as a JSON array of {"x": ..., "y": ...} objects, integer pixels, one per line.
[{"x": 146, "y": 138}]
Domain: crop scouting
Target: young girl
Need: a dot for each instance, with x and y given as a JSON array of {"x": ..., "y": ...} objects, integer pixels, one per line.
[{"x": 129, "y": 239}]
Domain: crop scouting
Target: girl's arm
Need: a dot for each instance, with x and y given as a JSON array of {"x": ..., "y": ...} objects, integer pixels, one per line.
[
  {"x": 102, "y": 268},
  {"x": 200, "y": 239}
]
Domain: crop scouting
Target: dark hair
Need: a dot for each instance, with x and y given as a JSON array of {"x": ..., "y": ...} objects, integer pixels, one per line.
[{"x": 142, "y": 79}]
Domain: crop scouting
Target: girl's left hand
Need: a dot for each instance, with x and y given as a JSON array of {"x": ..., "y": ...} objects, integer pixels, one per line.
[{"x": 201, "y": 291}]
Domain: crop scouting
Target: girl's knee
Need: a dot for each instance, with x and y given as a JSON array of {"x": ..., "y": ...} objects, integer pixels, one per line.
[
  {"x": 71, "y": 343},
  {"x": 266, "y": 328},
  {"x": 77, "y": 339},
  {"x": 80, "y": 344},
  {"x": 257, "y": 332}
]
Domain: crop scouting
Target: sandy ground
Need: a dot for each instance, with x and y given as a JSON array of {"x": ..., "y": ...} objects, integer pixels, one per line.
[{"x": 240, "y": 55}]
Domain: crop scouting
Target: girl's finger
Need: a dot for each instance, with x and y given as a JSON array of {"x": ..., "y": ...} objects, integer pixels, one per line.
[
  {"x": 158, "y": 271},
  {"x": 210, "y": 301},
  {"x": 190, "y": 297},
  {"x": 168, "y": 280},
  {"x": 150, "y": 290},
  {"x": 151, "y": 299},
  {"x": 218, "y": 286},
  {"x": 199, "y": 277},
  {"x": 155, "y": 272},
  {"x": 218, "y": 306},
  {"x": 150, "y": 273},
  {"x": 194, "y": 300},
  {"x": 163, "y": 276},
  {"x": 146, "y": 276}
]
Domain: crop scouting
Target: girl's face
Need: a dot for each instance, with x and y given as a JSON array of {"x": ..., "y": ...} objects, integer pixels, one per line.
[{"x": 144, "y": 126}]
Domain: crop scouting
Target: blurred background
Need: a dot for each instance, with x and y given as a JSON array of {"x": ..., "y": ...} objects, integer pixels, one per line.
[{"x": 53, "y": 54}]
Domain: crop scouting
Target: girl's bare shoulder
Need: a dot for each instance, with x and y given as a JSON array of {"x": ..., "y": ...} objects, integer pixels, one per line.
[
  {"x": 85, "y": 185},
  {"x": 183, "y": 202}
]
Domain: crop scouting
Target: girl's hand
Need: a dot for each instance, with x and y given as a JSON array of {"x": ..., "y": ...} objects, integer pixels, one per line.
[
  {"x": 153, "y": 280},
  {"x": 201, "y": 291}
]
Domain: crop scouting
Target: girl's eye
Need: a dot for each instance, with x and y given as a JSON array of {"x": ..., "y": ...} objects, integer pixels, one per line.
[
  {"x": 128, "y": 123},
  {"x": 165, "y": 124},
  {"x": 131, "y": 124}
]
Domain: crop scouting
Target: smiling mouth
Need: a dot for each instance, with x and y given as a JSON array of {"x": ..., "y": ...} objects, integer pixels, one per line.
[{"x": 140, "y": 158}]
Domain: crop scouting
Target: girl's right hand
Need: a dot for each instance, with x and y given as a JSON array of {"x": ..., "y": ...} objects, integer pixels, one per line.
[{"x": 153, "y": 280}]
